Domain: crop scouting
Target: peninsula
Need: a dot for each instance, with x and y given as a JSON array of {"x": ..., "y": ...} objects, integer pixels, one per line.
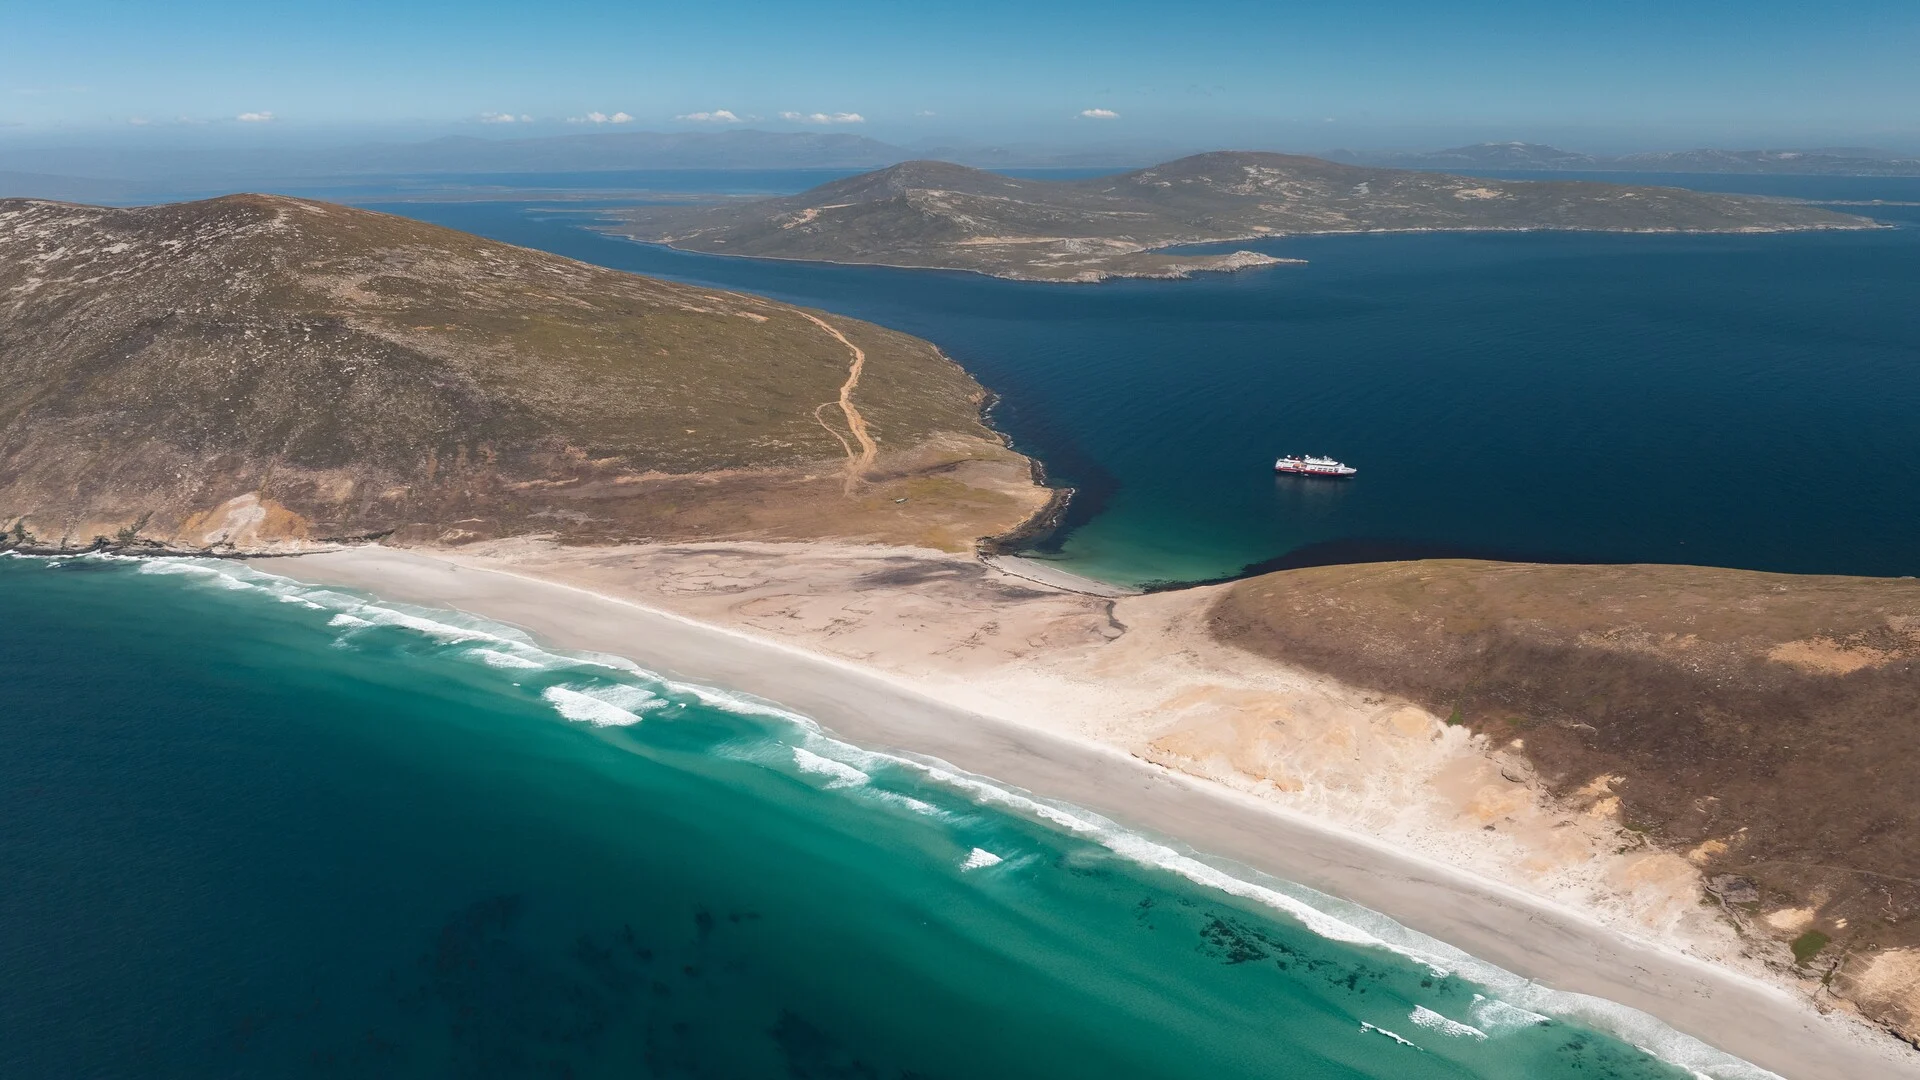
[
  {"x": 263, "y": 373},
  {"x": 937, "y": 215}
]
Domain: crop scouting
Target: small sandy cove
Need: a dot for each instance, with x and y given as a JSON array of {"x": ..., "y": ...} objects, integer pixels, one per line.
[{"x": 1125, "y": 706}]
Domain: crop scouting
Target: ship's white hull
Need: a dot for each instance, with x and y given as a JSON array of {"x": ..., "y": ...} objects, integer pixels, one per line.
[{"x": 1344, "y": 473}]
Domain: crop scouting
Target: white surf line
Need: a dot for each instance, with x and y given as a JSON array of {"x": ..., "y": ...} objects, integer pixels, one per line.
[{"x": 1041, "y": 574}]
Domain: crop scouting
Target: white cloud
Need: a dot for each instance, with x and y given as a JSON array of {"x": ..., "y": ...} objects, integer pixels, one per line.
[
  {"x": 926, "y": 112},
  {"x": 138, "y": 121},
  {"x": 717, "y": 116},
  {"x": 824, "y": 118},
  {"x": 601, "y": 118},
  {"x": 504, "y": 118},
  {"x": 1100, "y": 114},
  {"x": 255, "y": 118}
]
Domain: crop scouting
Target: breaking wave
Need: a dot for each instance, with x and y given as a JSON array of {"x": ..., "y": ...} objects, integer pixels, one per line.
[{"x": 603, "y": 706}]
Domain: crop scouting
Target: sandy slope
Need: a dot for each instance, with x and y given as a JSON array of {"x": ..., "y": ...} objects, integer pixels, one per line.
[{"x": 1125, "y": 706}]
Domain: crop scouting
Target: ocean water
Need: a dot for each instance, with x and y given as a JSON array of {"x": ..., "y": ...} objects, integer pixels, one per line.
[
  {"x": 251, "y": 828},
  {"x": 1742, "y": 401}
]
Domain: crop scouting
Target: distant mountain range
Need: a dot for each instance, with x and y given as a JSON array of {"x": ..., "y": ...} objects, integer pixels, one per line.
[
  {"x": 155, "y": 173},
  {"x": 1833, "y": 161}
]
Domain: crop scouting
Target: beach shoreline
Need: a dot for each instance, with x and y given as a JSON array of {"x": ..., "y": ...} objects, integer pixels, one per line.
[{"x": 1519, "y": 930}]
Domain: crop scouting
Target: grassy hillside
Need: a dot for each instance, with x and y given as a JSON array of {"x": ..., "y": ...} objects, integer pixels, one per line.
[
  {"x": 934, "y": 214},
  {"x": 1765, "y": 725},
  {"x": 250, "y": 369}
]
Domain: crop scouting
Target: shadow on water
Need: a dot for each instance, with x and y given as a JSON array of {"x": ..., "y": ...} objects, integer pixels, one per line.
[{"x": 1064, "y": 464}]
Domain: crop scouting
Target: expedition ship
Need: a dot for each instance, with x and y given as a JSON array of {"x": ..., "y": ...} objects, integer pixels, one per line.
[{"x": 1314, "y": 466}]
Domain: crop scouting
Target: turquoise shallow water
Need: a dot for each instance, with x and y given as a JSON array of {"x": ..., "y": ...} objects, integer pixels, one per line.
[
  {"x": 1742, "y": 401},
  {"x": 252, "y": 829}
]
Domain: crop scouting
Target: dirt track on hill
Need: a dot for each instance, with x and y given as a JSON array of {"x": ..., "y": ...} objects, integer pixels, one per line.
[{"x": 857, "y": 464}]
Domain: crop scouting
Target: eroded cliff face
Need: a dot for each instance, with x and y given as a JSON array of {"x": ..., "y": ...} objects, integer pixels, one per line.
[
  {"x": 1765, "y": 727},
  {"x": 263, "y": 373}
]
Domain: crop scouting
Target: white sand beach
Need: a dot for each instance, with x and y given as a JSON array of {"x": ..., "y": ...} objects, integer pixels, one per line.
[{"x": 1123, "y": 706}]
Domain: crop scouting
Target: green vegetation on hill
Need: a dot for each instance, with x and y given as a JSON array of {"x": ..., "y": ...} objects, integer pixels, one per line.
[
  {"x": 255, "y": 369},
  {"x": 934, "y": 214}
]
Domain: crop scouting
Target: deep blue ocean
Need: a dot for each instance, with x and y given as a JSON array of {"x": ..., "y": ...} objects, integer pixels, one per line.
[{"x": 1744, "y": 401}]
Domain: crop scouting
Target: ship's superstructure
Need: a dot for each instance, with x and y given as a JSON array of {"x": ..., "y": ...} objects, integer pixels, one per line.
[{"x": 1308, "y": 465}]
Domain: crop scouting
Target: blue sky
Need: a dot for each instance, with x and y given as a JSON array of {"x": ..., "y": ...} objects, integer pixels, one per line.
[{"x": 1601, "y": 75}]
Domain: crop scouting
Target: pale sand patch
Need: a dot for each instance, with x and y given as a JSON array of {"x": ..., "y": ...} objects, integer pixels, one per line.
[
  {"x": 1824, "y": 656},
  {"x": 1707, "y": 849},
  {"x": 1365, "y": 797},
  {"x": 982, "y": 241},
  {"x": 1890, "y": 981},
  {"x": 1790, "y": 920},
  {"x": 1600, "y": 786}
]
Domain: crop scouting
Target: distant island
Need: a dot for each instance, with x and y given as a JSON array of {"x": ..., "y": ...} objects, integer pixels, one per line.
[
  {"x": 1538, "y": 157},
  {"x": 937, "y": 215}
]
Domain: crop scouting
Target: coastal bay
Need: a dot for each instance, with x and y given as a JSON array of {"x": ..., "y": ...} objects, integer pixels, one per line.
[{"x": 1541, "y": 396}]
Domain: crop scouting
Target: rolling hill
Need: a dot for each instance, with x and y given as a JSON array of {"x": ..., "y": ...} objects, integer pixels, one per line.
[
  {"x": 1764, "y": 726},
  {"x": 255, "y": 372},
  {"x": 938, "y": 215}
]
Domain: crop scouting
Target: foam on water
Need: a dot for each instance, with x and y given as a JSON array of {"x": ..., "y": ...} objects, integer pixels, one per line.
[
  {"x": 822, "y": 756},
  {"x": 980, "y": 858},
  {"x": 1433, "y": 1021},
  {"x": 1496, "y": 1017},
  {"x": 1378, "y": 1030},
  {"x": 1512, "y": 1004},
  {"x": 604, "y": 706},
  {"x": 498, "y": 659},
  {"x": 838, "y": 774}
]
